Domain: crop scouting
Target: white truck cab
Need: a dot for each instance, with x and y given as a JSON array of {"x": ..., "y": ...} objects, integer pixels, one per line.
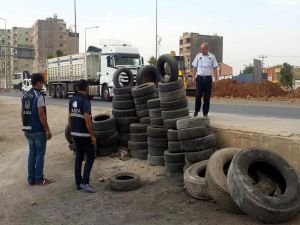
[{"x": 26, "y": 86}]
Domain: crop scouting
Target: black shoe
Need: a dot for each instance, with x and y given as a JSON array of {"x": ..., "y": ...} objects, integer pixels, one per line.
[
  {"x": 195, "y": 114},
  {"x": 205, "y": 115}
]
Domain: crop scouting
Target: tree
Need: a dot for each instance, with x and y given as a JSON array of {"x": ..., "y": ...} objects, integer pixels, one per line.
[
  {"x": 152, "y": 60},
  {"x": 286, "y": 77},
  {"x": 59, "y": 53},
  {"x": 50, "y": 56},
  {"x": 249, "y": 69}
]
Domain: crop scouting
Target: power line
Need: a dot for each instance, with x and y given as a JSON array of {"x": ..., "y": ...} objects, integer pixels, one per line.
[{"x": 262, "y": 59}]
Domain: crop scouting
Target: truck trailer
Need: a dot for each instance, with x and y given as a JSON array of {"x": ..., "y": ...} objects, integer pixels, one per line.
[{"x": 97, "y": 66}]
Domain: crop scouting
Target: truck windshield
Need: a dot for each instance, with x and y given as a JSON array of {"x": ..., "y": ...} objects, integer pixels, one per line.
[{"x": 128, "y": 61}]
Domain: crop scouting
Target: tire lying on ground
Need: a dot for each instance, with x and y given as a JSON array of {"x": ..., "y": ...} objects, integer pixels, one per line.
[
  {"x": 272, "y": 208},
  {"x": 117, "y": 74},
  {"x": 216, "y": 179},
  {"x": 143, "y": 90},
  {"x": 153, "y": 103},
  {"x": 146, "y": 74},
  {"x": 125, "y": 182},
  {"x": 103, "y": 122},
  {"x": 191, "y": 133},
  {"x": 172, "y": 95},
  {"x": 106, "y": 150},
  {"x": 198, "y": 144},
  {"x": 171, "y": 86},
  {"x": 194, "y": 180},
  {"x": 192, "y": 122},
  {"x": 173, "y": 67},
  {"x": 199, "y": 156},
  {"x": 173, "y": 105}
]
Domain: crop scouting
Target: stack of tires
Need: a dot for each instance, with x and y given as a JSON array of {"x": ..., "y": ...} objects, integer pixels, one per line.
[
  {"x": 157, "y": 144},
  {"x": 106, "y": 134},
  {"x": 138, "y": 147},
  {"x": 174, "y": 156},
  {"x": 155, "y": 112},
  {"x": 123, "y": 104},
  {"x": 141, "y": 94},
  {"x": 196, "y": 141},
  {"x": 173, "y": 102}
]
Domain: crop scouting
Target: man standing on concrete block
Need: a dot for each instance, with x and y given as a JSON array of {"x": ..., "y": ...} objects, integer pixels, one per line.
[{"x": 204, "y": 66}]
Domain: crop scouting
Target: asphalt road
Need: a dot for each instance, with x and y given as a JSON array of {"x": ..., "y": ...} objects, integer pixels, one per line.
[{"x": 280, "y": 110}]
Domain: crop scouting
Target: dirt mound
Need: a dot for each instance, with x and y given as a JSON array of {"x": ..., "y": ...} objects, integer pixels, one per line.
[{"x": 233, "y": 88}]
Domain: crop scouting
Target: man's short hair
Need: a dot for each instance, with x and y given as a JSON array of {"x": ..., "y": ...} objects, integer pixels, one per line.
[
  {"x": 205, "y": 44},
  {"x": 36, "y": 77},
  {"x": 82, "y": 85}
]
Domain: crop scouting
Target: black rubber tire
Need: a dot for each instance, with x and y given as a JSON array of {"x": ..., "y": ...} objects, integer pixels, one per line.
[
  {"x": 141, "y": 107},
  {"x": 105, "y": 94},
  {"x": 174, "y": 167},
  {"x": 124, "y": 97},
  {"x": 145, "y": 120},
  {"x": 198, "y": 144},
  {"x": 106, "y": 150},
  {"x": 122, "y": 90},
  {"x": 143, "y": 89},
  {"x": 144, "y": 99},
  {"x": 194, "y": 181},
  {"x": 156, "y": 122},
  {"x": 123, "y": 104},
  {"x": 124, "y": 129},
  {"x": 192, "y": 122},
  {"x": 175, "y": 113},
  {"x": 103, "y": 121},
  {"x": 156, "y": 160},
  {"x": 138, "y": 128},
  {"x": 125, "y": 121},
  {"x": 58, "y": 91},
  {"x": 135, "y": 146},
  {"x": 153, "y": 103},
  {"x": 53, "y": 90},
  {"x": 113, "y": 139},
  {"x": 124, "y": 113},
  {"x": 274, "y": 208},
  {"x": 216, "y": 179},
  {"x": 68, "y": 135},
  {"x": 146, "y": 74},
  {"x": 173, "y": 135},
  {"x": 171, "y": 86},
  {"x": 172, "y": 95},
  {"x": 160, "y": 65},
  {"x": 125, "y": 182},
  {"x": 174, "y": 146},
  {"x": 191, "y": 133},
  {"x": 142, "y": 113},
  {"x": 157, "y": 131},
  {"x": 141, "y": 137},
  {"x": 173, "y": 105},
  {"x": 155, "y": 113},
  {"x": 103, "y": 134},
  {"x": 199, "y": 156},
  {"x": 156, "y": 151},
  {"x": 64, "y": 91},
  {"x": 171, "y": 157},
  {"x": 171, "y": 123},
  {"x": 117, "y": 74},
  {"x": 142, "y": 154},
  {"x": 158, "y": 142}
]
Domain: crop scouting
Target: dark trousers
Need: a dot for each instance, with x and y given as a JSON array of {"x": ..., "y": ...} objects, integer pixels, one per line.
[
  {"x": 203, "y": 89},
  {"x": 83, "y": 147}
]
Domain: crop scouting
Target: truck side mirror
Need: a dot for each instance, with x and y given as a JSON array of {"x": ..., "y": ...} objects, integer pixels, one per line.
[{"x": 108, "y": 59}]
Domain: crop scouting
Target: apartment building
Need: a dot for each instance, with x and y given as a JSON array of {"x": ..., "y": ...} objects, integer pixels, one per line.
[
  {"x": 189, "y": 46},
  {"x": 49, "y": 36}
]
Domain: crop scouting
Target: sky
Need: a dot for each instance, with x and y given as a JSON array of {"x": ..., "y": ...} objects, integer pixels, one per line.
[{"x": 250, "y": 28}]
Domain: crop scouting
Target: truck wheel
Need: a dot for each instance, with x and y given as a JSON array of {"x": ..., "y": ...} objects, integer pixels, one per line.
[
  {"x": 171, "y": 62},
  {"x": 53, "y": 91},
  {"x": 64, "y": 90},
  {"x": 105, "y": 93},
  {"x": 58, "y": 91},
  {"x": 120, "y": 72}
]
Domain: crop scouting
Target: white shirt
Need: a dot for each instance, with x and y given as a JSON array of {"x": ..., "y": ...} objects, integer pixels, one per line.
[{"x": 205, "y": 64}]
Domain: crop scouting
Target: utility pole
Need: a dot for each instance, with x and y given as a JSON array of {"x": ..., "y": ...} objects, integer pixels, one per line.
[
  {"x": 262, "y": 60},
  {"x": 156, "y": 32}
]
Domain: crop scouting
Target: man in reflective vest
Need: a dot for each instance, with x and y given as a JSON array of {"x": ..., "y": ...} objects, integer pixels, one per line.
[
  {"x": 80, "y": 122},
  {"x": 36, "y": 130}
]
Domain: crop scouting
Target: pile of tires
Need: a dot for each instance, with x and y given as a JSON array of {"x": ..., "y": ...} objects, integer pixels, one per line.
[
  {"x": 141, "y": 94},
  {"x": 123, "y": 105},
  {"x": 173, "y": 102},
  {"x": 138, "y": 146},
  {"x": 106, "y": 134},
  {"x": 174, "y": 156},
  {"x": 196, "y": 141},
  {"x": 155, "y": 112},
  {"x": 157, "y": 144}
]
